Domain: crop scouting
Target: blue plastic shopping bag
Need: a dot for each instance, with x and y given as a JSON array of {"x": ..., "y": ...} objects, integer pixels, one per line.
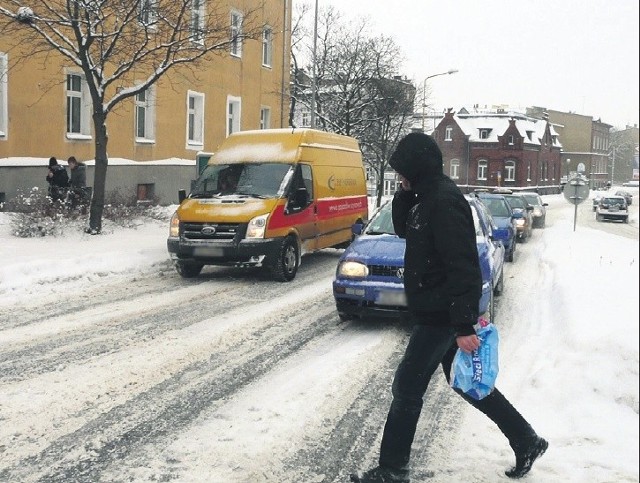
[{"x": 475, "y": 373}]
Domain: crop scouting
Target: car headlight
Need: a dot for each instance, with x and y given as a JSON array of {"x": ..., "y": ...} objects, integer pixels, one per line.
[
  {"x": 537, "y": 211},
  {"x": 351, "y": 269},
  {"x": 257, "y": 226},
  {"x": 520, "y": 221},
  {"x": 174, "y": 226}
]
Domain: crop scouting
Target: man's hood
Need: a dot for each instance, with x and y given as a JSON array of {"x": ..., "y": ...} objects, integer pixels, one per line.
[{"x": 418, "y": 158}]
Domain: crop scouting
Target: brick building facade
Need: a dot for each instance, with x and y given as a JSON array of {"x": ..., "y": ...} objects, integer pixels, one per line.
[{"x": 500, "y": 150}]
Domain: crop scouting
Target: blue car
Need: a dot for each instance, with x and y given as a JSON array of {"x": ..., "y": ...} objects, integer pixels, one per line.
[
  {"x": 503, "y": 216},
  {"x": 369, "y": 277}
]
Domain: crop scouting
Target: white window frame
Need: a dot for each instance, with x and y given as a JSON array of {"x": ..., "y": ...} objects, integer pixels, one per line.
[
  {"x": 483, "y": 167},
  {"x": 197, "y": 21},
  {"x": 195, "y": 120},
  {"x": 4, "y": 95},
  {"x": 448, "y": 133},
  {"x": 148, "y": 12},
  {"x": 454, "y": 169},
  {"x": 267, "y": 46},
  {"x": 236, "y": 33},
  {"x": 84, "y": 100},
  {"x": 233, "y": 112},
  {"x": 146, "y": 106},
  {"x": 510, "y": 170},
  {"x": 265, "y": 117}
]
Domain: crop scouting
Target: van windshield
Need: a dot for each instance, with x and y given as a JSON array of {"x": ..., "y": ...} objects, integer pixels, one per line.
[{"x": 259, "y": 180}]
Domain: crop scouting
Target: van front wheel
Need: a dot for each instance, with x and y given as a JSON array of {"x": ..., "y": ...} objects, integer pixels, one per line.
[{"x": 285, "y": 266}]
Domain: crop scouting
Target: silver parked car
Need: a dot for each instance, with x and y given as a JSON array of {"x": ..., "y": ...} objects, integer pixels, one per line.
[{"x": 539, "y": 207}]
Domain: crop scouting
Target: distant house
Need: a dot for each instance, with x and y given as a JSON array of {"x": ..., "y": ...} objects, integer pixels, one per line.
[{"x": 501, "y": 149}]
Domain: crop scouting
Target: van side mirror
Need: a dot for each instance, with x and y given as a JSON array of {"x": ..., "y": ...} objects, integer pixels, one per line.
[
  {"x": 301, "y": 197},
  {"x": 182, "y": 195}
]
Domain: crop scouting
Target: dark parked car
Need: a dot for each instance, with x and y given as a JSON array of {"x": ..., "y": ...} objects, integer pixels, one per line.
[
  {"x": 505, "y": 222},
  {"x": 626, "y": 195},
  {"x": 523, "y": 214},
  {"x": 369, "y": 278},
  {"x": 612, "y": 207},
  {"x": 539, "y": 208}
]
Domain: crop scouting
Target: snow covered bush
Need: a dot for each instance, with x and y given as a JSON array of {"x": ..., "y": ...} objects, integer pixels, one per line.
[
  {"x": 35, "y": 214},
  {"x": 25, "y": 15}
]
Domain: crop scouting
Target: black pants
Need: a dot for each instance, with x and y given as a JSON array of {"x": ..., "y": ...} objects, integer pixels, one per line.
[{"x": 428, "y": 347}]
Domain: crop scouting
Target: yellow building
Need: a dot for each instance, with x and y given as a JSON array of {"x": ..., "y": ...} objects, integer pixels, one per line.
[{"x": 45, "y": 109}]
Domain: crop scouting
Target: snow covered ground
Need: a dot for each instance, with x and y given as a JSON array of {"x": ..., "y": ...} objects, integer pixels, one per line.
[{"x": 569, "y": 359}]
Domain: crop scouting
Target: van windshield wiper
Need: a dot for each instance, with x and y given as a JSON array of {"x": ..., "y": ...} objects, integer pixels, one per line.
[
  {"x": 379, "y": 233},
  {"x": 204, "y": 194},
  {"x": 253, "y": 195}
]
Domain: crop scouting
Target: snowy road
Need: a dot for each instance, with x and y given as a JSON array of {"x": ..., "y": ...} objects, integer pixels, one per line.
[{"x": 226, "y": 378}]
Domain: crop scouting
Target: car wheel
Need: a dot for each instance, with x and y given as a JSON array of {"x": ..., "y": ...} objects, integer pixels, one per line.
[
  {"x": 285, "y": 266},
  {"x": 509, "y": 255},
  {"x": 188, "y": 270},
  {"x": 500, "y": 285},
  {"x": 345, "y": 317}
]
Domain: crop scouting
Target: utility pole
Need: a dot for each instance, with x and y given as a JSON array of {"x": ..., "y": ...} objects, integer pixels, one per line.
[{"x": 314, "y": 85}]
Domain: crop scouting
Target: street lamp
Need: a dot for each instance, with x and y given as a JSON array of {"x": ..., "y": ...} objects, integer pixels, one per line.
[
  {"x": 568, "y": 162},
  {"x": 424, "y": 91}
]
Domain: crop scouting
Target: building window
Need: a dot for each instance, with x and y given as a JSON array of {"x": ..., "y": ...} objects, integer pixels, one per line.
[
  {"x": 484, "y": 133},
  {"x": 4, "y": 97},
  {"x": 454, "y": 169},
  {"x": 390, "y": 187},
  {"x": 236, "y": 34},
  {"x": 197, "y": 21},
  {"x": 195, "y": 120},
  {"x": 267, "y": 46},
  {"x": 306, "y": 119},
  {"x": 145, "y": 192},
  {"x": 78, "y": 107},
  {"x": 510, "y": 171},
  {"x": 482, "y": 169},
  {"x": 511, "y": 140},
  {"x": 148, "y": 12},
  {"x": 265, "y": 118},
  {"x": 233, "y": 114},
  {"x": 145, "y": 116},
  {"x": 448, "y": 133}
]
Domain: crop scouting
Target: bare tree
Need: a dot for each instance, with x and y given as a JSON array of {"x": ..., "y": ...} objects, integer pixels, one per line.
[
  {"x": 115, "y": 42},
  {"x": 358, "y": 91}
]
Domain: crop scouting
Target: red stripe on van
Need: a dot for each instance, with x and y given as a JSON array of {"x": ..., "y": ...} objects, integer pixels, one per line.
[{"x": 351, "y": 205}]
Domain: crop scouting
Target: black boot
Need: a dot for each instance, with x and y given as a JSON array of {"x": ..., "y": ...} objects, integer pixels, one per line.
[
  {"x": 381, "y": 474},
  {"x": 527, "y": 451}
]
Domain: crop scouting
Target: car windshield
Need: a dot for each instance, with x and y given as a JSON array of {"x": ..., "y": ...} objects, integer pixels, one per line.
[
  {"x": 516, "y": 202},
  {"x": 613, "y": 201},
  {"x": 261, "y": 180},
  {"x": 532, "y": 200},
  {"x": 381, "y": 223},
  {"x": 497, "y": 207}
]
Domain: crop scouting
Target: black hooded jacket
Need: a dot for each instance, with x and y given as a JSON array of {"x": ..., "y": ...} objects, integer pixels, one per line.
[{"x": 442, "y": 276}]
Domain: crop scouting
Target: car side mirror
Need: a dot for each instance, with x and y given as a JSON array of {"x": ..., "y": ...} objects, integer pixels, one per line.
[
  {"x": 529, "y": 208},
  {"x": 545, "y": 204},
  {"x": 357, "y": 229}
]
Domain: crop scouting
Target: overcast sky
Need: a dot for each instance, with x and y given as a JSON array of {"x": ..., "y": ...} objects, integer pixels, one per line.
[{"x": 570, "y": 55}]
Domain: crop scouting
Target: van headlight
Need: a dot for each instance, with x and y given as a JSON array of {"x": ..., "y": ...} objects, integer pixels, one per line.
[
  {"x": 257, "y": 226},
  {"x": 351, "y": 269},
  {"x": 174, "y": 226}
]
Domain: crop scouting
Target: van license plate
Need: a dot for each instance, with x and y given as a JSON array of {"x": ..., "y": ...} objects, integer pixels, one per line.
[
  {"x": 207, "y": 252},
  {"x": 394, "y": 297}
]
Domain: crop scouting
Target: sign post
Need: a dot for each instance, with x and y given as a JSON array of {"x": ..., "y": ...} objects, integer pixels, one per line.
[{"x": 576, "y": 191}]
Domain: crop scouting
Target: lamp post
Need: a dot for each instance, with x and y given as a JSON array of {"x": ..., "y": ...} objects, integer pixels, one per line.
[
  {"x": 568, "y": 164},
  {"x": 314, "y": 86},
  {"x": 424, "y": 91}
]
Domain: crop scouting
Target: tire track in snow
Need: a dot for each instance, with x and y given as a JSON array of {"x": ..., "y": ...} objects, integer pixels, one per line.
[{"x": 167, "y": 407}]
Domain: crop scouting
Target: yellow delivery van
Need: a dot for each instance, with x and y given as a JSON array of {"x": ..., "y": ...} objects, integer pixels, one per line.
[{"x": 268, "y": 197}]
